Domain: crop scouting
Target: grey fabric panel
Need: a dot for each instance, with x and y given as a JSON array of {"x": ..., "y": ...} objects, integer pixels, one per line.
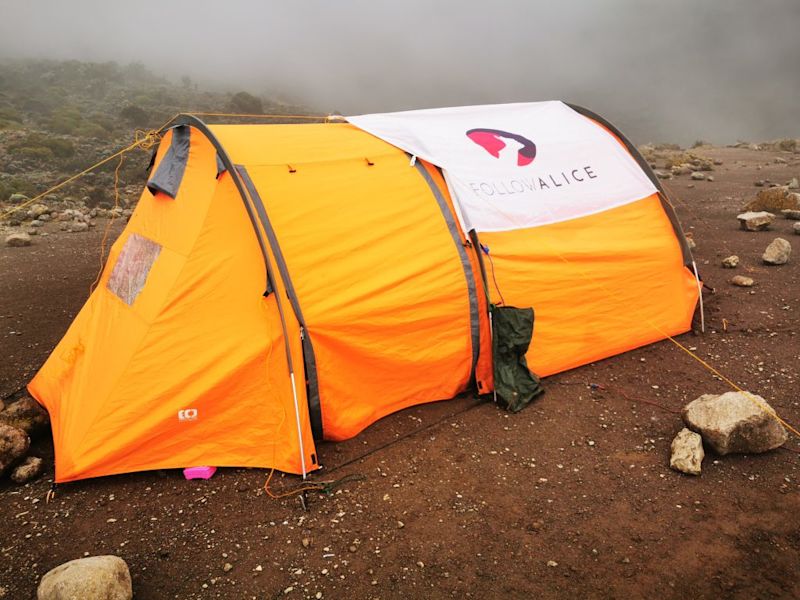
[
  {"x": 314, "y": 406},
  {"x": 453, "y": 227},
  {"x": 643, "y": 164},
  {"x": 168, "y": 176},
  {"x": 220, "y": 166}
]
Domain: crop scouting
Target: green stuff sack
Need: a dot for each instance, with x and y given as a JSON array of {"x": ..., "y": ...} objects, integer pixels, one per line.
[{"x": 512, "y": 329}]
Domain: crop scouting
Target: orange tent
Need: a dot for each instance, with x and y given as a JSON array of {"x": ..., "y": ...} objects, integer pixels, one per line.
[{"x": 282, "y": 284}]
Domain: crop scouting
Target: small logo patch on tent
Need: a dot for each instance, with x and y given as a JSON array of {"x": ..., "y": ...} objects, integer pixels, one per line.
[
  {"x": 187, "y": 414},
  {"x": 491, "y": 141}
]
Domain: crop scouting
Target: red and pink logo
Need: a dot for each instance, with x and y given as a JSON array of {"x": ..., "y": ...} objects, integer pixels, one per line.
[{"x": 491, "y": 140}]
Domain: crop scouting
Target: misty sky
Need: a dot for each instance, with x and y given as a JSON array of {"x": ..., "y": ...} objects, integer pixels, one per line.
[{"x": 675, "y": 70}]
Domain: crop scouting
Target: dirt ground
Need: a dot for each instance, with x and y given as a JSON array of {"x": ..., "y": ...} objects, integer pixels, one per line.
[{"x": 573, "y": 497}]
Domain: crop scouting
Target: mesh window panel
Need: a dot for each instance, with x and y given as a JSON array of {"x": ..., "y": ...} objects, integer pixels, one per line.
[{"x": 132, "y": 267}]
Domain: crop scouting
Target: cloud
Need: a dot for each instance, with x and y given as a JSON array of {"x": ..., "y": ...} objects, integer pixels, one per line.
[{"x": 672, "y": 71}]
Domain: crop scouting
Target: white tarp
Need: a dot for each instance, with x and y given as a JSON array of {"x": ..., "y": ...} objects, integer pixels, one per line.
[{"x": 513, "y": 166}]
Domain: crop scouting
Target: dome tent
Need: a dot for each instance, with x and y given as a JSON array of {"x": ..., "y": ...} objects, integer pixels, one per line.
[{"x": 281, "y": 284}]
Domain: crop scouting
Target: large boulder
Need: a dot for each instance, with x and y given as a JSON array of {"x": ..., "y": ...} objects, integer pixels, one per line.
[
  {"x": 755, "y": 221},
  {"x": 735, "y": 422},
  {"x": 778, "y": 252},
  {"x": 14, "y": 443},
  {"x": 92, "y": 578},
  {"x": 774, "y": 199},
  {"x": 26, "y": 414},
  {"x": 687, "y": 452}
]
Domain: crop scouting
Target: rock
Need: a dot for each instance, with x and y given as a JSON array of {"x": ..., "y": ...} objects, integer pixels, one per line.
[
  {"x": 92, "y": 578},
  {"x": 14, "y": 443},
  {"x": 759, "y": 183},
  {"x": 698, "y": 176},
  {"x": 77, "y": 227},
  {"x": 26, "y": 414},
  {"x": 796, "y": 228},
  {"x": 730, "y": 262},
  {"x": 773, "y": 199},
  {"x": 710, "y": 178},
  {"x": 742, "y": 281},
  {"x": 30, "y": 468},
  {"x": 17, "y": 198},
  {"x": 663, "y": 174},
  {"x": 687, "y": 452},
  {"x": 690, "y": 242},
  {"x": 793, "y": 184},
  {"x": 793, "y": 215},
  {"x": 755, "y": 221},
  {"x": 734, "y": 422},
  {"x": 17, "y": 240},
  {"x": 778, "y": 252}
]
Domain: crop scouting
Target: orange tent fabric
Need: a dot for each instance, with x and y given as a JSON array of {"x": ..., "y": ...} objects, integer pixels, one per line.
[{"x": 281, "y": 284}]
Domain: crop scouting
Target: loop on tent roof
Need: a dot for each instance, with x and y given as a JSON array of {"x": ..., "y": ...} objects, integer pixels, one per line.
[{"x": 168, "y": 176}]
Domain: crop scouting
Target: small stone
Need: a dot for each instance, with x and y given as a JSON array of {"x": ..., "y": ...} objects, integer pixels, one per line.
[
  {"x": 778, "y": 252},
  {"x": 77, "y": 227},
  {"x": 698, "y": 176},
  {"x": 400, "y": 524},
  {"x": 306, "y": 542},
  {"x": 791, "y": 214},
  {"x": 755, "y": 221},
  {"x": 420, "y": 564},
  {"x": 29, "y": 469},
  {"x": 258, "y": 568},
  {"x": 14, "y": 443},
  {"x": 288, "y": 590},
  {"x": 227, "y": 567},
  {"x": 742, "y": 281},
  {"x": 690, "y": 242},
  {"x": 710, "y": 178},
  {"x": 796, "y": 228},
  {"x": 552, "y": 563},
  {"x": 92, "y": 578},
  {"x": 352, "y": 548},
  {"x": 663, "y": 174},
  {"x": 735, "y": 422},
  {"x": 730, "y": 262},
  {"x": 18, "y": 240},
  {"x": 687, "y": 452}
]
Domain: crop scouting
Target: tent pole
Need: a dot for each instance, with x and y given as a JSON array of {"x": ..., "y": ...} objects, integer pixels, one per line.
[
  {"x": 476, "y": 246},
  {"x": 700, "y": 297},
  {"x": 299, "y": 428}
]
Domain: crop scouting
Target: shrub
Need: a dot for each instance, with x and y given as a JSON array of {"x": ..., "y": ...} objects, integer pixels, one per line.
[
  {"x": 245, "y": 103},
  {"x": 135, "y": 115}
]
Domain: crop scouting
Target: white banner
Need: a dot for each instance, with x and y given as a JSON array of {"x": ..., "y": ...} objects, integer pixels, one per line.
[{"x": 513, "y": 166}]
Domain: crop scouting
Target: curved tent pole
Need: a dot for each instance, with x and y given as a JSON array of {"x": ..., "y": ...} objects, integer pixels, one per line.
[
  {"x": 188, "y": 119},
  {"x": 688, "y": 259}
]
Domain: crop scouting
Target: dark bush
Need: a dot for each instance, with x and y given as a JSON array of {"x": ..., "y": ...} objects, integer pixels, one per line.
[
  {"x": 135, "y": 115},
  {"x": 245, "y": 103}
]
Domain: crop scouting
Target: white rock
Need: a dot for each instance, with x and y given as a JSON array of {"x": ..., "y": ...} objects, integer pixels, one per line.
[
  {"x": 742, "y": 281},
  {"x": 735, "y": 422},
  {"x": 687, "y": 452},
  {"x": 778, "y": 252},
  {"x": 796, "y": 228},
  {"x": 16, "y": 240},
  {"x": 730, "y": 262},
  {"x": 92, "y": 578},
  {"x": 698, "y": 176},
  {"x": 755, "y": 221}
]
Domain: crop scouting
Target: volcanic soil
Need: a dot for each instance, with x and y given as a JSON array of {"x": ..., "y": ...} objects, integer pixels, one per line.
[{"x": 572, "y": 497}]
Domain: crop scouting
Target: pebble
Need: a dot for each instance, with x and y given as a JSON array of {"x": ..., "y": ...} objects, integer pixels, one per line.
[
  {"x": 742, "y": 281},
  {"x": 227, "y": 567},
  {"x": 552, "y": 563}
]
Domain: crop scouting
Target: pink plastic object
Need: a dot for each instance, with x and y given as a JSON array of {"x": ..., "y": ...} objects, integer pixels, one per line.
[{"x": 199, "y": 472}]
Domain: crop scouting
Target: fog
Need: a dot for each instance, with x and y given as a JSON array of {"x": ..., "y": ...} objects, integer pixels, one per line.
[{"x": 675, "y": 71}]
